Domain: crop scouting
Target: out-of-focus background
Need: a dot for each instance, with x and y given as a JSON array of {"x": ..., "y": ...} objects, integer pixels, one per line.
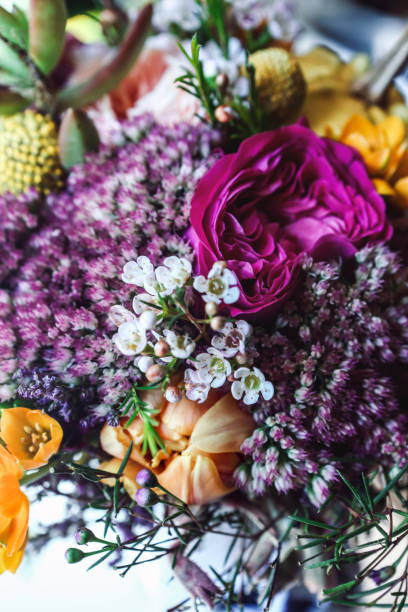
[{"x": 46, "y": 581}]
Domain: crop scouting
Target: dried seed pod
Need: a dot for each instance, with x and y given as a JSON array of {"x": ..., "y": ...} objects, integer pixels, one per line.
[{"x": 280, "y": 82}]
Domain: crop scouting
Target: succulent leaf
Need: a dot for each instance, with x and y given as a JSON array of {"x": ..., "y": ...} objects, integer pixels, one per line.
[
  {"x": 11, "y": 102},
  {"x": 12, "y": 27},
  {"x": 109, "y": 76},
  {"x": 47, "y": 32},
  {"x": 12, "y": 63},
  {"x": 77, "y": 136}
]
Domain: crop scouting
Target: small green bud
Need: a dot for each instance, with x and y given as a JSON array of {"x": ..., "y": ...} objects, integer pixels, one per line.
[
  {"x": 83, "y": 536},
  {"x": 74, "y": 555}
]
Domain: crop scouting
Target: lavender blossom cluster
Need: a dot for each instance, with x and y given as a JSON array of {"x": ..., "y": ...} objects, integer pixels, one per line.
[
  {"x": 337, "y": 357},
  {"x": 123, "y": 202}
]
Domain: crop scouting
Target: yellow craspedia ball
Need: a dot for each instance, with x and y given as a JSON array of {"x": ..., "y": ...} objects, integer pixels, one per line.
[
  {"x": 29, "y": 153},
  {"x": 280, "y": 82}
]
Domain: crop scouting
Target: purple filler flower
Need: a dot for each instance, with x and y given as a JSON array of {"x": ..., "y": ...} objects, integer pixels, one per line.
[{"x": 282, "y": 194}]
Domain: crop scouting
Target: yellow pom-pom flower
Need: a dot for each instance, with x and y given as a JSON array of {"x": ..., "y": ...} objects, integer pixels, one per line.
[
  {"x": 280, "y": 82},
  {"x": 29, "y": 153}
]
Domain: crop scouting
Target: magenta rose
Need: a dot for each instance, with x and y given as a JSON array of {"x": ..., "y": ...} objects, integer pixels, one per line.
[{"x": 284, "y": 193}]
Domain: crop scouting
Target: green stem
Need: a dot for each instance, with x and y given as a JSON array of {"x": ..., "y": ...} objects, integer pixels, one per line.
[{"x": 33, "y": 477}]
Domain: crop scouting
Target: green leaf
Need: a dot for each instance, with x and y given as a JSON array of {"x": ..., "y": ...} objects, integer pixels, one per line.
[
  {"x": 47, "y": 21},
  {"x": 13, "y": 27},
  {"x": 77, "y": 136},
  {"x": 357, "y": 497},
  {"x": 11, "y": 102},
  {"x": 346, "y": 586},
  {"x": 390, "y": 485},
  {"x": 13, "y": 63}
]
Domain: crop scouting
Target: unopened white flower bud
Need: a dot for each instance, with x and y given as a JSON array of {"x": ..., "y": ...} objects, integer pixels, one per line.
[
  {"x": 211, "y": 309},
  {"x": 148, "y": 319},
  {"x": 144, "y": 363},
  {"x": 217, "y": 323}
]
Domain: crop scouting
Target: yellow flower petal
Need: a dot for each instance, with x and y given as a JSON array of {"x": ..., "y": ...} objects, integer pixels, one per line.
[{"x": 393, "y": 130}]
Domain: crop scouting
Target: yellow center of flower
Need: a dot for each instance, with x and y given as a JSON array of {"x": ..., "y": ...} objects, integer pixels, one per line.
[
  {"x": 35, "y": 438},
  {"x": 216, "y": 286},
  {"x": 252, "y": 382},
  {"x": 29, "y": 153}
]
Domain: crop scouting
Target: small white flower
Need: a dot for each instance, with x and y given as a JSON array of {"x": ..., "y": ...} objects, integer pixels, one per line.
[
  {"x": 119, "y": 314},
  {"x": 232, "y": 338},
  {"x": 167, "y": 278},
  {"x": 196, "y": 389},
  {"x": 180, "y": 346},
  {"x": 251, "y": 383},
  {"x": 220, "y": 286},
  {"x": 136, "y": 272},
  {"x": 131, "y": 338},
  {"x": 141, "y": 303},
  {"x": 213, "y": 368}
]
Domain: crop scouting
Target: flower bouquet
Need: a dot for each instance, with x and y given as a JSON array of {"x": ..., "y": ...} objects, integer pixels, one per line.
[{"x": 204, "y": 306}]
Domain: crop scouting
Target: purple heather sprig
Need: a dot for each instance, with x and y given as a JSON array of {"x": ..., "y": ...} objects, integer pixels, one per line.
[
  {"x": 337, "y": 355},
  {"x": 123, "y": 202}
]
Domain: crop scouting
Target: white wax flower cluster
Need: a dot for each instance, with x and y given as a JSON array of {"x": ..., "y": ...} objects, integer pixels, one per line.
[{"x": 144, "y": 332}]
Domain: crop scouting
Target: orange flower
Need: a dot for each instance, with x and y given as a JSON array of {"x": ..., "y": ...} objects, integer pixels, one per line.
[
  {"x": 14, "y": 509},
  {"x": 32, "y": 436},
  {"x": 384, "y": 149},
  {"x": 202, "y": 445}
]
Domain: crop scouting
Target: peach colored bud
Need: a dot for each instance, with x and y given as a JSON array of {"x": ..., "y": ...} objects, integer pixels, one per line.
[
  {"x": 217, "y": 323},
  {"x": 155, "y": 373},
  {"x": 211, "y": 309},
  {"x": 223, "y": 114},
  {"x": 173, "y": 395},
  {"x": 161, "y": 348},
  {"x": 241, "y": 358},
  {"x": 221, "y": 264}
]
